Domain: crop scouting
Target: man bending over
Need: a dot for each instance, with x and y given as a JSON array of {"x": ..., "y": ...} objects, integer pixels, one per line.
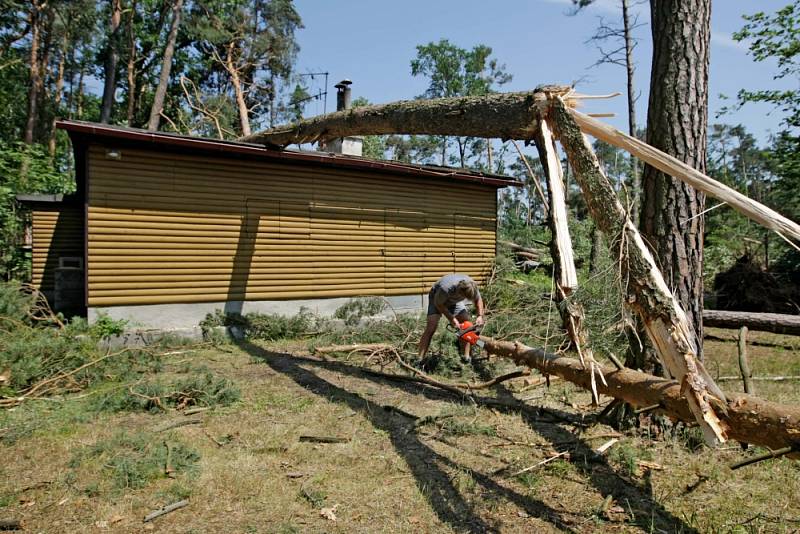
[{"x": 449, "y": 297}]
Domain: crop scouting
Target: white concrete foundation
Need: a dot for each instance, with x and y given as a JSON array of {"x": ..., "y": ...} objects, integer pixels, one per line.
[{"x": 183, "y": 316}]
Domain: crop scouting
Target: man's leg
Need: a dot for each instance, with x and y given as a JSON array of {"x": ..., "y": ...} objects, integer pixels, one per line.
[
  {"x": 463, "y": 345},
  {"x": 430, "y": 329}
]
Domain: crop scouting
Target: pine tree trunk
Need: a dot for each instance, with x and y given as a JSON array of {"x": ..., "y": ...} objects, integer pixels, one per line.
[
  {"x": 745, "y": 418},
  {"x": 59, "y": 90},
  {"x": 131, "y": 70},
  {"x": 636, "y": 192},
  {"x": 244, "y": 114},
  {"x": 35, "y": 74},
  {"x": 676, "y": 124},
  {"x": 166, "y": 66},
  {"x": 110, "y": 66},
  {"x": 79, "y": 99}
]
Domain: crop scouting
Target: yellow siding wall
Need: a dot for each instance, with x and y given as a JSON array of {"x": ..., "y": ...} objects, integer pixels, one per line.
[
  {"x": 57, "y": 232},
  {"x": 166, "y": 228}
]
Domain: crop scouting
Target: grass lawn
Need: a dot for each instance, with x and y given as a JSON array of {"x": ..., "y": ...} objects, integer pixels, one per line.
[{"x": 97, "y": 461}]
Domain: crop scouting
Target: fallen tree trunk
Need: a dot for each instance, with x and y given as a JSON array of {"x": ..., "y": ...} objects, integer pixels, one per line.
[
  {"x": 506, "y": 116},
  {"x": 665, "y": 322},
  {"x": 777, "y": 323},
  {"x": 498, "y": 115},
  {"x": 745, "y": 418}
]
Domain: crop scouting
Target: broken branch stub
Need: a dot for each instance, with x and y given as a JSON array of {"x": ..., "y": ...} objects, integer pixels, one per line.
[{"x": 647, "y": 293}]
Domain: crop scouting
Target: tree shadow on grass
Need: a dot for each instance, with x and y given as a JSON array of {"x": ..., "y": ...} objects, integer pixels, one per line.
[
  {"x": 636, "y": 499},
  {"x": 425, "y": 464}
]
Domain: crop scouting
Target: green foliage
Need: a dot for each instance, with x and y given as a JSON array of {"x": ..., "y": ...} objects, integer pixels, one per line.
[
  {"x": 104, "y": 326},
  {"x": 267, "y": 326},
  {"x": 156, "y": 395},
  {"x": 313, "y": 496},
  {"x": 33, "y": 353},
  {"x": 627, "y": 456},
  {"x": 24, "y": 169},
  {"x": 455, "y": 71},
  {"x": 15, "y": 304},
  {"x": 455, "y": 427},
  {"x": 352, "y": 311},
  {"x": 132, "y": 461},
  {"x": 252, "y": 41},
  {"x": 775, "y": 37}
]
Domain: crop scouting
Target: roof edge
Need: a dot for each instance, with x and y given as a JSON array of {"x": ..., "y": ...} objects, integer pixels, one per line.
[
  {"x": 41, "y": 198},
  {"x": 89, "y": 129}
]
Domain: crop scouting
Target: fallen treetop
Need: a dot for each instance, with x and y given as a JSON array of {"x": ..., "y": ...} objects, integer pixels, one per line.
[
  {"x": 497, "y": 115},
  {"x": 746, "y": 418}
]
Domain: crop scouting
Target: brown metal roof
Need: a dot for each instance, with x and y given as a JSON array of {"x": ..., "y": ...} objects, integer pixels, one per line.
[{"x": 95, "y": 130}]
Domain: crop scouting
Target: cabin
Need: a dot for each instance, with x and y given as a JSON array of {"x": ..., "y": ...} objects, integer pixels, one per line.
[{"x": 166, "y": 228}]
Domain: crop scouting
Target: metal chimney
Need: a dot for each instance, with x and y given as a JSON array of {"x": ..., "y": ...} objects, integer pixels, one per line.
[
  {"x": 351, "y": 145},
  {"x": 343, "y": 94}
]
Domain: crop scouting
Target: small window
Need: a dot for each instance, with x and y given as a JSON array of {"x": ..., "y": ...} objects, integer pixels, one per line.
[{"x": 70, "y": 262}]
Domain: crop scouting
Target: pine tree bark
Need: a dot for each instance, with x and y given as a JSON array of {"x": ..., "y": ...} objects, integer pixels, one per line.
[
  {"x": 676, "y": 124},
  {"x": 110, "y": 65},
  {"x": 497, "y": 115},
  {"x": 166, "y": 66}
]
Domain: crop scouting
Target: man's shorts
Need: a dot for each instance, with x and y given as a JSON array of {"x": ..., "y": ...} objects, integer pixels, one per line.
[{"x": 455, "y": 309}]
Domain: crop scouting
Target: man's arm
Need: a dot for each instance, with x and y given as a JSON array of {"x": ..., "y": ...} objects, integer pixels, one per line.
[
  {"x": 480, "y": 310},
  {"x": 441, "y": 308}
]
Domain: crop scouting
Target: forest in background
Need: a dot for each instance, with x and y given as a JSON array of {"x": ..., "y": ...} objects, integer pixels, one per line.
[{"x": 226, "y": 68}]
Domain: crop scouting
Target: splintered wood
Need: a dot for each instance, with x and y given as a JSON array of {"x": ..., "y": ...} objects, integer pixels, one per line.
[
  {"x": 665, "y": 321},
  {"x": 566, "y": 275}
]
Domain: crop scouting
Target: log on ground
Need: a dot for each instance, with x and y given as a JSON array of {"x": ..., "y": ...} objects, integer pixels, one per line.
[
  {"x": 777, "y": 323},
  {"x": 746, "y": 418}
]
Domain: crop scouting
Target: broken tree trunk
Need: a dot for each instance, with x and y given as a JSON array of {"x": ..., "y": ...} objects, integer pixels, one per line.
[
  {"x": 499, "y": 115},
  {"x": 647, "y": 293},
  {"x": 745, "y": 418},
  {"x": 506, "y": 116},
  {"x": 674, "y": 167},
  {"x": 777, "y": 323},
  {"x": 566, "y": 276}
]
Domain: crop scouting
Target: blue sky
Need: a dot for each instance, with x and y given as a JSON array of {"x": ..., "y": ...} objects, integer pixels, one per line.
[{"x": 373, "y": 41}]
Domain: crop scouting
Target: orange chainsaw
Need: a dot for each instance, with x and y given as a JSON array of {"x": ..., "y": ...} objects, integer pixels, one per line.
[{"x": 470, "y": 333}]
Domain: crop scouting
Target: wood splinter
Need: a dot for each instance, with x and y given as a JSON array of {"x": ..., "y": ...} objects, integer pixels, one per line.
[{"x": 165, "y": 510}]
